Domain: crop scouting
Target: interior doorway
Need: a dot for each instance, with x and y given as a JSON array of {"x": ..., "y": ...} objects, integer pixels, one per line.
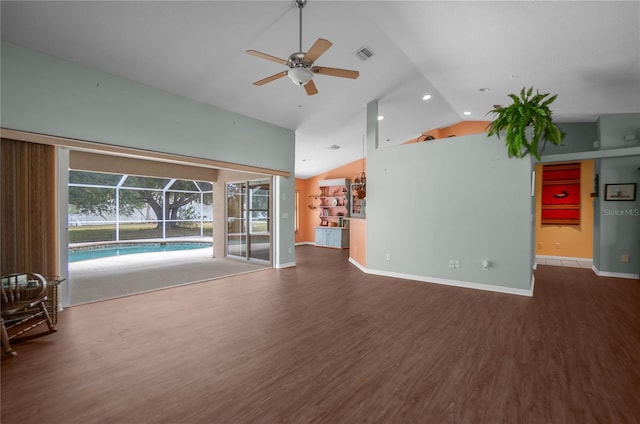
[
  {"x": 565, "y": 213},
  {"x": 249, "y": 220}
]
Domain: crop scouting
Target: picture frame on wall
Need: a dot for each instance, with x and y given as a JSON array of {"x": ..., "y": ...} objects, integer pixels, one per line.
[{"x": 620, "y": 192}]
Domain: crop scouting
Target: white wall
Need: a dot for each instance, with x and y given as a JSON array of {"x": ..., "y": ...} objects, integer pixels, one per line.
[{"x": 47, "y": 95}]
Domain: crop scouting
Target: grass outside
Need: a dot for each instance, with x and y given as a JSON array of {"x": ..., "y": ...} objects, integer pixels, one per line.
[{"x": 92, "y": 233}]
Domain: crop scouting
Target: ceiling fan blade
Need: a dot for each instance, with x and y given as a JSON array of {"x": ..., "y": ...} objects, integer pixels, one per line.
[
  {"x": 311, "y": 88},
  {"x": 319, "y": 47},
  {"x": 335, "y": 72},
  {"x": 271, "y": 78},
  {"x": 266, "y": 56}
]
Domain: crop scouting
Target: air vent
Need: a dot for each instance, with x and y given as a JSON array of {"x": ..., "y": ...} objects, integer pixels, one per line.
[
  {"x": 334, "y": 147},
  {"x": 364, "y": 53}
]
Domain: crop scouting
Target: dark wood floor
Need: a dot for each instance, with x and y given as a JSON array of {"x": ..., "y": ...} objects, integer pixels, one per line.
[{"x": 325, "y": 343}]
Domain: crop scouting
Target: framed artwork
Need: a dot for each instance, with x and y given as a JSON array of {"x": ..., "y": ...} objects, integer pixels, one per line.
[
  {"x": 561, "y": 194},
  {"x": 324, "y": 223},
  {"x": 620, "y": 192}
]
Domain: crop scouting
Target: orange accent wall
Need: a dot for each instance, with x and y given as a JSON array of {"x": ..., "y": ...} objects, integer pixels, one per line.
[
  {"x": 358, "y": 241},
  {"x": 574, "y": 241},
  {"x": 304, "y": 232},
  {"x": 461, "y": 128},
  {"x": 309, "y": 218}
]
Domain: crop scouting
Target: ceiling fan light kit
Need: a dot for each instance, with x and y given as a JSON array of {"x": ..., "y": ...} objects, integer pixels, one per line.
[
  {"x": 300, "y": 75},
  {"x": 300, "y": 63}
]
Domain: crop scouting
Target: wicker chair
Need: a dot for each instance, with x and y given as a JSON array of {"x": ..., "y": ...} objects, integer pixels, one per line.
[{"x": 23, "y": 307}]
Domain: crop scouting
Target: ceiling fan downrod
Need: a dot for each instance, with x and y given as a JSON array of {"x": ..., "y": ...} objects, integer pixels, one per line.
[{"x": 300, "y": 4}]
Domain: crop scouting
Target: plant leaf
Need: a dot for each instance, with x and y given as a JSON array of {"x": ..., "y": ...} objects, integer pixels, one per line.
[{"x": 549, "y": 100}]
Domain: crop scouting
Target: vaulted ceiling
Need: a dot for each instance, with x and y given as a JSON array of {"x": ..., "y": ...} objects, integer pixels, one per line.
[{"x": 586, "y": 52}]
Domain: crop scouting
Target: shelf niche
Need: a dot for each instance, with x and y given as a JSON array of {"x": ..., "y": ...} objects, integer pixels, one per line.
[
  {"x": 334, "y": 202},
  {"x": 333, "y": 207}
]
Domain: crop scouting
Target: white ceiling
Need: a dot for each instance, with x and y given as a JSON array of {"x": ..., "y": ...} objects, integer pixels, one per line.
[{"x": 586, "y": 52}]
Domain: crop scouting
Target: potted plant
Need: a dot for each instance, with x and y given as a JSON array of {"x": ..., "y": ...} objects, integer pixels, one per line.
[{"x": 526, "y": 123}]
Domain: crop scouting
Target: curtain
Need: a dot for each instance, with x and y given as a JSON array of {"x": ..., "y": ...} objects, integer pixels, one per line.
[{"x": 28, "y": 221}]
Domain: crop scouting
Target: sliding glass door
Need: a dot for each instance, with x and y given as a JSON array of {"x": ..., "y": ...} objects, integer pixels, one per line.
[{"x": 249, "y": 220}]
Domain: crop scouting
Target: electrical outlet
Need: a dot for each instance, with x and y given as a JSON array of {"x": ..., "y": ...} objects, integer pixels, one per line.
[
  {"x": 456, "y": 263},
  {"x": 624, "y": 259},
  {"x": 388, "y": 256},
  {"x": 452, "y": 263}
]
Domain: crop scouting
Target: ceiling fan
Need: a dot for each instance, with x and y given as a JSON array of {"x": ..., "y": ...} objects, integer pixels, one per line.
[{"x": 301, "y": 68}]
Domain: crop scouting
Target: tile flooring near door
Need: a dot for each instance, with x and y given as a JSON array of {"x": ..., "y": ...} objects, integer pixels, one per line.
[{"x": 566, "y": 262}]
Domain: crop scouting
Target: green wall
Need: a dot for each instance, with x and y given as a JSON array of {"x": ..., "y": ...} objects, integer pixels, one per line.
[
  {"x": 457, "y": 198},
  {"x": 617, "y": 224},
  {"x": 579, "y": 137},
  {"x": 47, "y": 95}
]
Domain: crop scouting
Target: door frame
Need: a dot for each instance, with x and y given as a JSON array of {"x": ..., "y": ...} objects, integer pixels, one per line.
[{"x": 270, "y": 225}]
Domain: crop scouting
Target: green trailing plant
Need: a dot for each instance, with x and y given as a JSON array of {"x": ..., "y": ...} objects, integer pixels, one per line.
[{"x": 526, "y": 123}]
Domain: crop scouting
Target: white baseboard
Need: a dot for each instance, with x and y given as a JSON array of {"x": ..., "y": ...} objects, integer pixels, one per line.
[
  {"x": 302, "y": 243},
  {"x": 357, "y": 264},
  {"x": 447, "y": 282},
  {"x": 533, "y": 283},
  {"x": 285, "y": 265},
  {"x": 615, "y": 274}
]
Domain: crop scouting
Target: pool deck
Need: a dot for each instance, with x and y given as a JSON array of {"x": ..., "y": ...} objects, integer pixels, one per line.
[{"x": 117, "y": 276}]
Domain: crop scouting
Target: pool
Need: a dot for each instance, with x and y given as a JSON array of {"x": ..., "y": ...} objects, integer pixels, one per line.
[{"x": 77, "y": 254}]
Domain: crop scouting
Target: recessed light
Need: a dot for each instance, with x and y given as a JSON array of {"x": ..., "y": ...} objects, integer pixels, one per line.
[
  {"x": 334, "y": 147},
  {"x": 485, "y": 89},
  {"x": 380, "y": 117},
  {"x": 466, "y": 113},
  {"x": 426, "y": 97}
]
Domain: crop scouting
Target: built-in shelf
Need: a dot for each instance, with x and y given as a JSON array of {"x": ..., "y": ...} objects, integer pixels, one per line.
[{"x": 333, "y": 207}]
